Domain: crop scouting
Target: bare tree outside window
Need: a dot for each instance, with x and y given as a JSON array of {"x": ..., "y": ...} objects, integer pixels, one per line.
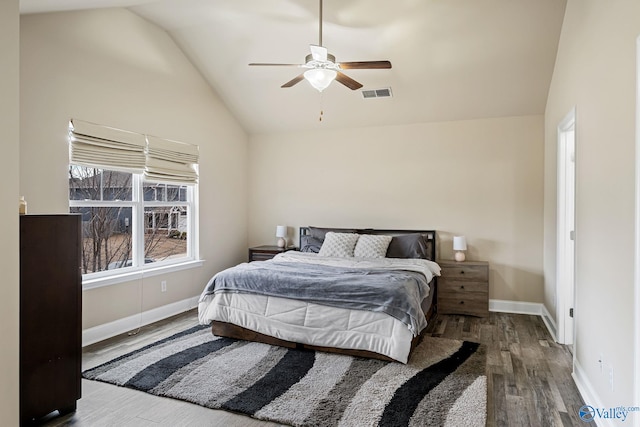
[{"x": 104, "y": 199}]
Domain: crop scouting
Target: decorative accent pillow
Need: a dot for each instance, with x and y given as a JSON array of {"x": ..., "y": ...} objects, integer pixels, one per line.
[
  {"x": 408, "y": 246},
  {"x": 339, "y": 244},
  {"x": 372, "y": 246}
]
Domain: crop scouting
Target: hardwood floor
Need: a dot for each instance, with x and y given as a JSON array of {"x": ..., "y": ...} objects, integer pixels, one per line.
[
  {"x": 528, "y": 375},
  {"x": 528, "y": 378}
]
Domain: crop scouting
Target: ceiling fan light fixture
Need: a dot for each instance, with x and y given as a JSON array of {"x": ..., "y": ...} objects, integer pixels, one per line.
[{"x": 320, "y": 78}]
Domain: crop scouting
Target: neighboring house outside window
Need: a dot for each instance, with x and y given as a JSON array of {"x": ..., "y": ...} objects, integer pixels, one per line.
[{"x": 128, "y": 223}]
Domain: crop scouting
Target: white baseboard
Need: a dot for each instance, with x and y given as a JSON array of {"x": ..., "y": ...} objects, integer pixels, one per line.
[
  {"x": 590, "y": 396},
  {"x": 516, "y": 307},
  {"x": 120, "y": 326},
  {"x": 519, "y": 307},
  {"x": 549, "y": 323}
]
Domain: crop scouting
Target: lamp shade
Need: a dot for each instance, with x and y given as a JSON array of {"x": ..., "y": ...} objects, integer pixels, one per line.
[
  {"x": 320, "y": 78},
  {"x": 281, "y": 231},
  {"x": 459, "y": 243}
]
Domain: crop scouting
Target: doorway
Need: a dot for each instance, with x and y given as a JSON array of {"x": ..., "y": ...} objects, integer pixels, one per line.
[{"x": 566, "y": 190}]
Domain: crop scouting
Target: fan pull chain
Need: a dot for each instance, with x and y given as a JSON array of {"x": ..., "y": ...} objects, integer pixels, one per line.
[{"x": 321, "y": 107}]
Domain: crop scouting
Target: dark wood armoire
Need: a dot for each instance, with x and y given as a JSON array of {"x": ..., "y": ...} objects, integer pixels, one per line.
[{"x": 50, "y": 314}]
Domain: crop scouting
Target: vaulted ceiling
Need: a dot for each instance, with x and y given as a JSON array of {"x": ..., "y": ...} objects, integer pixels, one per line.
[{"x": 452, "y": 59}]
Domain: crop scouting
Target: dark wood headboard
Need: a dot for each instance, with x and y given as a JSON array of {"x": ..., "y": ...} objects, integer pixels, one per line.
[{"x": 430, "y": 235}]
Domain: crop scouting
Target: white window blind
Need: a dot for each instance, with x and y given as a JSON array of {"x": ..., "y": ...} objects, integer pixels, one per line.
[
  {"x": 161, "y": 160},
  {"x": 105, "y": 147},
  {"x": 171, "y": 161}
]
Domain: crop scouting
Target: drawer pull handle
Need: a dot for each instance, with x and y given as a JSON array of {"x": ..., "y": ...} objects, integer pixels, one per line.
[
  {"x": 461, "y": 271},
  {"x": 461, "y": 286},
  {"x": 461, "y": 302}
]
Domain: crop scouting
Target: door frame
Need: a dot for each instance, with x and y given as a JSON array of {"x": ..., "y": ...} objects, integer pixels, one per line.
[
  {"x": 636, "y": 269},
  {"x": 565, "y": 270}
]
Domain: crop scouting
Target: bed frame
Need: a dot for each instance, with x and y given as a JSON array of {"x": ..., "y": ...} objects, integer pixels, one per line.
[
  {"x": 229, "y": 330},
  {"x": 430, "y": 236}
]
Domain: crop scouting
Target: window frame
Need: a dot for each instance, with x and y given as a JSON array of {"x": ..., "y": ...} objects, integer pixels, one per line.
[{"x": 137, "y": 204}]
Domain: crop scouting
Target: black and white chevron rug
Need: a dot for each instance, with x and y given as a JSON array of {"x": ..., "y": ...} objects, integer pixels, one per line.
[{"x": 444, "y": 383}]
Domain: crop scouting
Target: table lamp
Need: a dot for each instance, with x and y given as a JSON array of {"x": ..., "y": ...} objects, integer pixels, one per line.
[
  {"x": 281, "y": 234},
  {"x": 459, "y": 246}
]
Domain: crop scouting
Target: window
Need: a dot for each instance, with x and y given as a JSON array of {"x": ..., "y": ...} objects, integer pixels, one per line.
[
  {"x": 136, "y": 194},
  {"x": 128, "y": 222}
]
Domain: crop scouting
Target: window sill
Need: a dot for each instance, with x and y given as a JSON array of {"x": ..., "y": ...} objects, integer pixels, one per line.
[{"x": 138, "y": 274}]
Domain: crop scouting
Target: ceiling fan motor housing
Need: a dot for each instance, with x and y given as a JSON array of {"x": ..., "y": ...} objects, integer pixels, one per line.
[{"x": 309, "y": 58}]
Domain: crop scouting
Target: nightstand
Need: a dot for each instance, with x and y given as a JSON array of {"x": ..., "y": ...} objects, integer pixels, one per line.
[
  {"x": 463, "y": 288},
  {"x": 265, "y": 252}
]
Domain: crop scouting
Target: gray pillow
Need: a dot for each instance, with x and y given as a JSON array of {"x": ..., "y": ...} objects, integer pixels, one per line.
[
  {"x": 408, "y": 246},
  {"x": 319, "y": 233},
  {"x": 310, "y": 244}
]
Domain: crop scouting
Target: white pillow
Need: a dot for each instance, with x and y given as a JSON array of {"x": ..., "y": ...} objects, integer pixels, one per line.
[
  {"x": 372, "y": 246},
  {"x": 338, "y": 244}
]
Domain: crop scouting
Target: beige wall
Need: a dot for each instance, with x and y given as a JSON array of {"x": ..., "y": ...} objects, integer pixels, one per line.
[
  {"x": 9, "y": 261},
  {"x": 481, "y": 178},
  {"x": 111, "y": 67},
  {"x": 595, "y": 72}
]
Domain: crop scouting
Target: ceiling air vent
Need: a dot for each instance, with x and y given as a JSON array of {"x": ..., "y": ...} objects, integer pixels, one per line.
[{"x": 377, "y": 93}]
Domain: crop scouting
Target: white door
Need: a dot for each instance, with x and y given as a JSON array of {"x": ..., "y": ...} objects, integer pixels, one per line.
[{"x": 565, "y": 283}]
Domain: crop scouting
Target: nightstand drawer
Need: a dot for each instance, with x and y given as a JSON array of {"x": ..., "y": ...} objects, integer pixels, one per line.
[
  {"x": 473, "y": 305},
  {"x": 261, "y": 256},
  {"x": 446, "y": 286},
  {"x": 467, "y": 272}
]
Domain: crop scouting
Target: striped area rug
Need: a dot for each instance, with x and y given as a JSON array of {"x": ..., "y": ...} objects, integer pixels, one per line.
[{"x": 444, "y": 383}]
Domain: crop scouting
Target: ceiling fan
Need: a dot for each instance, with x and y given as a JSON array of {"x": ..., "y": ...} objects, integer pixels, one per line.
[{"x": 322, "y": 67}]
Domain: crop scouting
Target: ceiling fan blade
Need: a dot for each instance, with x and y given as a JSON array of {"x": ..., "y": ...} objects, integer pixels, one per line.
[
  {"x": 347, "y": 81},
  {"x": 294, "y": 81},
  {"x": 319, "y": 53},
  {"x": 365, "y": 65},
  {"x": 261, "y": 64}
]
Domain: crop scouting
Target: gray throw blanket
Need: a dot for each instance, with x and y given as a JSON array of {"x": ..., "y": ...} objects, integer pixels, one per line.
[{"x": 396, "y": 293}]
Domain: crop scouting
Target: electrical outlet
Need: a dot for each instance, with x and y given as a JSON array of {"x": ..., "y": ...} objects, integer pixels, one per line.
[{"x": 163, "y": 286}]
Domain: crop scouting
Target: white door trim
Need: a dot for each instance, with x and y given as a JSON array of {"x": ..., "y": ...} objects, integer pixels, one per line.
[
  {"x": 565, "y": 255},
  {"x": 636, "y": 269}
]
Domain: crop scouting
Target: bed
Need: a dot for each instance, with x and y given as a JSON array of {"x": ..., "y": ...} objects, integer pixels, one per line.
[{"x": 375, "y": 304}]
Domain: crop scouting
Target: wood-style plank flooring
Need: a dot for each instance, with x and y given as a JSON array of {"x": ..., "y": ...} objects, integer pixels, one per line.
[
  {"x": 528, "y": 375},
  {"x": 528, "y": 378}
]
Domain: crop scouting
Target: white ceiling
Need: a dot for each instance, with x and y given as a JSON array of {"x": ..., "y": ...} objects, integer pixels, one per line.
[{"x": 452, "y": 59}]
